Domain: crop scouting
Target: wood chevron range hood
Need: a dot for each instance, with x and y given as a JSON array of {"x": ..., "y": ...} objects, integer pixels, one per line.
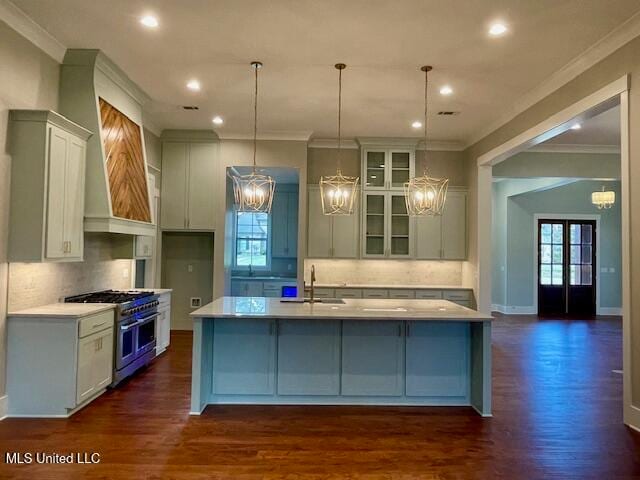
[{"x": 96, "y": 94}]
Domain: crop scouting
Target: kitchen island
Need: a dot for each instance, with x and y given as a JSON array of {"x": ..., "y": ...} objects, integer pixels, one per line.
[{"x": 255, "y": 350}]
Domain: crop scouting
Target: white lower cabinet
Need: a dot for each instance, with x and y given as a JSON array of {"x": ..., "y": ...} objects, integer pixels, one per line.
[
  {"x": 95, "y": 364},
  {"x": 57, "y": 364},
  {"x": 163, "y": 323}
]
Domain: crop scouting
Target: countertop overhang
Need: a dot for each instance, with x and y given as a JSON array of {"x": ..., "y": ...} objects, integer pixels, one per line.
[{"x": 351, "y": 309}]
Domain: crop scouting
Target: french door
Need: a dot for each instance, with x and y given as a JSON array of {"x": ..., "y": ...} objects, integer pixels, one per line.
[{"x": 567, "y": 267}]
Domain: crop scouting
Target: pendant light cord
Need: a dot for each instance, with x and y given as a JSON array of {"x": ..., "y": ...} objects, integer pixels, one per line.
[
  {"x": 339, "y": 119},
  {"x": 426, "y": 83},
  {"x": 256, "y": 67}
]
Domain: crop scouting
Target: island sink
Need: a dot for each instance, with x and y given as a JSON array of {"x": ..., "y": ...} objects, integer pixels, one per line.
[{"x": 332, "y": 301}]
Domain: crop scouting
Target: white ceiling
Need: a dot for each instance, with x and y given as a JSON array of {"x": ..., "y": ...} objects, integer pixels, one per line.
[
  {"x": 383, "y": 43},
  {"x": 602, "y": 129}
]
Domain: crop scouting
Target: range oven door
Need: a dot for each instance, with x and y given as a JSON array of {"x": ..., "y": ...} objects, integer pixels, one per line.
[
  {"x": 146, "y": 336},
  {"x": 127, "y": 342}
]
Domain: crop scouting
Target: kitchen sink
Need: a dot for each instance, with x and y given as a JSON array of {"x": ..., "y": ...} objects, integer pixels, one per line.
[{"x": 328, "y": 301}]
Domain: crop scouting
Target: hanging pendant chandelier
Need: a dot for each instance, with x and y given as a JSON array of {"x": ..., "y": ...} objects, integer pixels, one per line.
[
  {"x": 603, "y": 199},
  {"x": 254, "y": 192},
  {"x": 425, "y": 195},
  {"x": 338, "y": 192}
]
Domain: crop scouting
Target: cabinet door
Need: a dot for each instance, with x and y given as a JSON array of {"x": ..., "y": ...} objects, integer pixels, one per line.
[
  {"x": 400, "y": 227},
  {"x": 428, "y": 237},
  {"x": 174, "y": 185},
  {"x": 85, "y": 384},
  {"x": 346, "y": 234},
  {"x": 376, "y": 170},
  {"x": 374, "y": 225},
  {"x": 58, "y": 153},
  {"x": 244, "y": 357},
  {"x": 279, "y": 239},
  {"x": 454, "y": 227},
  {"x": 103, "y": 359},
  {"x": 74, "y": 197},
  {"x": 399, "y": 168},
  {"x": 202, "y": 185},
  {"x": 144, "y": 246},
  {"x": 437, "y": 359},
  {"x": 319, "y": 227},
  {"x": 308, "y": 357},
  {"x": 292, "y": 224},
  {"x": 372, "y": 358}
]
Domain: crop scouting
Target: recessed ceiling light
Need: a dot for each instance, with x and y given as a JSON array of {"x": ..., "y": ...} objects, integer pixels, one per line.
[
  {"x": 416, "y": 124},
  {"x": 149, "y": 21},
  {"x": 576, "y": 126},
  {"x": 193, "y": 85},
  {"x": 446, "y": 90},
  {"x": 218, "y": 120},
  {"x": 497, "y": 29}
]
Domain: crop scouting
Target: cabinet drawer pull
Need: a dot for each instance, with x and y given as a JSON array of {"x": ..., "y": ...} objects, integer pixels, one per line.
[
  {"x": 399, "y": 330},
  {"x": 408, "y": 329},
  {"x": 98, "y": 325}
]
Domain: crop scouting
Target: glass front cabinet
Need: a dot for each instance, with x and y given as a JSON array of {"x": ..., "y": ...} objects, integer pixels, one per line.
[
  {"x": 387, "y": 168},
  {"x": 386, "y": 226}
]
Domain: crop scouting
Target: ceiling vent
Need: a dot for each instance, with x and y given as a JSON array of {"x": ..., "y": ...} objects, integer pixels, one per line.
[
  {"x": 448, "y": 113},
  {"x": 190, "y": 107}
]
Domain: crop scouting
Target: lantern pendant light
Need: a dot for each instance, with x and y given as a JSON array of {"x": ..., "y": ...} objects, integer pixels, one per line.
[
  {"x": 338, "y": 192},
  {"x": 603, "y": 199},
  {"x": 254, "y": 192},
  {"x": 425, "y": 195}
]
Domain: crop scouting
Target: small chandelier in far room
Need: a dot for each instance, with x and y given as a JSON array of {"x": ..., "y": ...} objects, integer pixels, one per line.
[
  {"x": 338, "y": 193},
  {"x": 603, "y": 199},
  {"x": 425, "y": 195},
  {"x": 254, "y": 192}
]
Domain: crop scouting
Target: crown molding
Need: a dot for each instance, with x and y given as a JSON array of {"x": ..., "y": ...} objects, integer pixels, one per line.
[
  {"x": 604, "y": 47},
  {"x": 349, "y": 144},
  {"x": 387, "y": 142},
  {"x": 442, "y": 146},
  {"x": 575, "y": 148},
  {"x": 25, "y": 26},
  {"x": 295, "y": 136}
]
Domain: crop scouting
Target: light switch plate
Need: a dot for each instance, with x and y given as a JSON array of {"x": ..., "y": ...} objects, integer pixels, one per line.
[{"x": 196, "y": 302}]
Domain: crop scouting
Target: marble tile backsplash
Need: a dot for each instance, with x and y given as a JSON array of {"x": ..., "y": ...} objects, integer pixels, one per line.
[
  {"x": 33, "y": 284},
  {"x": 385, "y": 272}
]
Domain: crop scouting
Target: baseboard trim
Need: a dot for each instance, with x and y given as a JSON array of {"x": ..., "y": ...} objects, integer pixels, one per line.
[
  {"x": 4, "y": 407},
  {"x": 613, "y": 311},
  {"x": 514, "y": 309},
  {"x": 632, "y": 417}
]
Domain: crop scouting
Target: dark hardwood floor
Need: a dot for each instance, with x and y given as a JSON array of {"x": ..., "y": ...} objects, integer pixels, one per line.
[{"x": 557, "y": 415}]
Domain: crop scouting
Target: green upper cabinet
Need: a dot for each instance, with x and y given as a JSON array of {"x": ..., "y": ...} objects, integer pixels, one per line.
[
  {"x": 387, "y": 228},
  {"x": 189, "y": 178},
  {"x": 331, "y": 236},
  {"x": 284, "y": 224},
  {"x": 387, "y": 168},
  {"x": 47, "y": 187},
  {"x": 444, "y": 237}
]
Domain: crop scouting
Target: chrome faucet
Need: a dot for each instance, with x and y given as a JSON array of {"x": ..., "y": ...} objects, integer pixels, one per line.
[{"x": 313, "y": 280}]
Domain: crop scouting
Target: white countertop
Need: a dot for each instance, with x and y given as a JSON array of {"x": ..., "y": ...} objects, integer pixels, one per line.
[
  {"x": 352, "y": 309},
  {"x": 63, "y": 310},
  {"x": 387, "y": 286},
  {"x": 159, "y": 291}
]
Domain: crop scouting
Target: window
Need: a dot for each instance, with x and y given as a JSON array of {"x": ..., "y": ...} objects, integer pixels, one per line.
[{"x": 252, "y": 237}]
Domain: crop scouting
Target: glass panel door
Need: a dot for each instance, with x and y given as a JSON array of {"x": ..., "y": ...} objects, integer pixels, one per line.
[
  {"x": 375, "y": 224},
  {"x": 400, "y": 230},
  {"x": 400, "y": 168},
  {"x": 566, "y": 267},
  {"x": 551, "y": 278},
  {"x": 375, "y": 166}
]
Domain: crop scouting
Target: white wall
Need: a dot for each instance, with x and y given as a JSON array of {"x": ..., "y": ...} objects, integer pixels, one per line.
[{"x": 28, "y": 79}]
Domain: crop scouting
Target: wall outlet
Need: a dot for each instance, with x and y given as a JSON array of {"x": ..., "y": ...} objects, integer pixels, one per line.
[
  {"x": 196, "y": 302},
  {"x": 190, "y": 268},
  {"x": 125, "y": 273}
]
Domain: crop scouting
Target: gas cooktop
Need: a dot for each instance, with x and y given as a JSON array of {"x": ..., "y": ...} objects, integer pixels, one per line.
[{"x": 108, "y": 296}]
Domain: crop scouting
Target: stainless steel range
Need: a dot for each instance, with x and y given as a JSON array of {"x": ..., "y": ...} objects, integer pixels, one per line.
[{"x": 135, "y": 335}]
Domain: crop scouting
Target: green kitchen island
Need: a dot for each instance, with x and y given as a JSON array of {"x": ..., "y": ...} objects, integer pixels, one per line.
[{"x": 255, "y": 350}]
